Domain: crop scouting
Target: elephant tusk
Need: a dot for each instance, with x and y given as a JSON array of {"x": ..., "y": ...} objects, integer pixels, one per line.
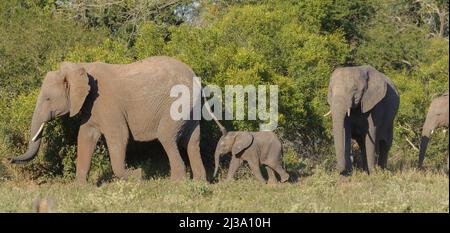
[
  {"x": 432, "y": 131},
  {"x": 326, "y": 114},
  {"x": 38, "y": 132},
  {"x": 348, "y": 112}
]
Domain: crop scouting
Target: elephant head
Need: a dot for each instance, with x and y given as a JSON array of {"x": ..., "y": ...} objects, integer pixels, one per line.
[
  {"x": 351, "y": 88},
  {"x": 437, "y": 116},
  {"x": 232, "y": 142},
  {"x": 63, "y": 91}
]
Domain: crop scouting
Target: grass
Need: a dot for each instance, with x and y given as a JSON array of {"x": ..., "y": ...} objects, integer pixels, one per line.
[{"x": 406, "y": 191}]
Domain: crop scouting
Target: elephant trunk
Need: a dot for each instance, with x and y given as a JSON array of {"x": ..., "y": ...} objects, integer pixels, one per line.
[
  {"x": 423, "y": 147},
  {"x": 342, "y": 138},
  {"x": 37, "y": 125},
  {"x": 427, "y": 130},
  {"x": 216, "y": 161}
]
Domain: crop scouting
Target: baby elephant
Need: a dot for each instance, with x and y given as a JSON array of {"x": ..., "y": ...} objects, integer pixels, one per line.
[{"x": 254, "y": 147}]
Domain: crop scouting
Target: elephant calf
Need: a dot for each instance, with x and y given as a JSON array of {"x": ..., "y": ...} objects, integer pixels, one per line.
[{"x": 254, "y": 147}]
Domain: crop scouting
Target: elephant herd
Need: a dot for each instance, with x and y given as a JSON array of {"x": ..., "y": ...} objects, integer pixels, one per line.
[{"x": 133, "y": 101}]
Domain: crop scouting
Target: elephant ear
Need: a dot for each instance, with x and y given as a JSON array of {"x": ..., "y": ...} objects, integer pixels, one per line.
[
  {"x": 77, "y": 84},
  {"x": 334, "y": 75},
  {"x": 242, "y": 141},
  {"x": 375, "y": 91}
]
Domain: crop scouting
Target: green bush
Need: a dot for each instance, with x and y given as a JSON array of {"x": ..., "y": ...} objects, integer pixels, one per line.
[{"x": 239, "y": 48}]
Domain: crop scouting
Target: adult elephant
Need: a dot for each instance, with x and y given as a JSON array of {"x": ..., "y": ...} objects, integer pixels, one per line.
[
  {"x": 363, "y": 103},
  {"x": 119, "y": 102},
  {"x": 437, "y": 116}
]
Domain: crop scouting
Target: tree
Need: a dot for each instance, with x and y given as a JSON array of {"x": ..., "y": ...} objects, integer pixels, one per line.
[{"x": 435, "y": 14}]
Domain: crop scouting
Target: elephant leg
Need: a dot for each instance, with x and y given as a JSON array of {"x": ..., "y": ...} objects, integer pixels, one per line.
[
  {"x": 235, "y": 163},
  {"x": 117, "y": 144},
  {"x": 362, "y": 163},
  {"x": 177, "y": 166},
  {"x": 370, "y": 142},
  {"x": 167, "y": 136},
  {"x": 87, "y": 140},
  {"x": 194, "y": 155},
  {"x": 271, "y": 174},
  {"x": 256, "y": 169},
  {"x": 384, "y": 150},
  {"x": 284, "y": 176},
  {"x": 385, "y": 146}
]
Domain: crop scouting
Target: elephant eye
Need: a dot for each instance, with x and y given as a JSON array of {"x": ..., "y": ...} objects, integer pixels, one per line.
[{"x": 48, "y": 98}]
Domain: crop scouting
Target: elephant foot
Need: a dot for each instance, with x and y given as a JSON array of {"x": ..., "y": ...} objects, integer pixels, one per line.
[
  {"x": 176, "y": 178},
  {"x": 135, "y": 173},
  {"x": 198, "y": 173},
  {"x": 199, "y": 177},
  {"x": 80, "y": 181},
  {"x": 228, "y": 180},
  {"x": 374, "y": 170},
  {"x": 346, "y": 172},
  {"x": 177, "y": 173},
  {"x": 284, "y": 178}
]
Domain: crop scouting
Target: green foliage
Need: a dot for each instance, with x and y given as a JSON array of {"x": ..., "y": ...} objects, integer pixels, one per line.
[
  {"x": 108, "y": 51},
  {"x": 386, "y": 47},
  {"x": 122, "y": 19},
  {"x": 15, "y": 119},
  {"x": 150, "y": 41},
  {"x": 32, "y": 42},
  {"x": 332, "y": 15}
]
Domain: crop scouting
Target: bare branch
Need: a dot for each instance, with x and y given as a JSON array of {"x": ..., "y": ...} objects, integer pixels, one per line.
[{"x": 412, "y": 145}]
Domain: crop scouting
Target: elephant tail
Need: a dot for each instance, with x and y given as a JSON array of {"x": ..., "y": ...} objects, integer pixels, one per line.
[{"x": 208, "y": 108}]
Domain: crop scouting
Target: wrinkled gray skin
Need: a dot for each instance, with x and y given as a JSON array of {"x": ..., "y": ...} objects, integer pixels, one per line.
[
  {"x": 119, "y": 102},
  {"x": 254, "y": 147},
  {"x": 437, "y": 116},
  {"x": 363, "y": 104}
]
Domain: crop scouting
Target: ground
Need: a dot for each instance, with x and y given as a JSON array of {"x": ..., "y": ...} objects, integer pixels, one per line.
[{"x": 407, "y": 191}]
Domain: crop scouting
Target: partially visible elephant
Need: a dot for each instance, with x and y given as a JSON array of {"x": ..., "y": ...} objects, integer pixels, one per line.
[
  {"x": 254, "y": 147},
  {"x": 121, "y": 102},
  {"x": 43, "y": 205},
  {"x": 437, "y": 116},
  {"x": 364, "y": 103}
]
